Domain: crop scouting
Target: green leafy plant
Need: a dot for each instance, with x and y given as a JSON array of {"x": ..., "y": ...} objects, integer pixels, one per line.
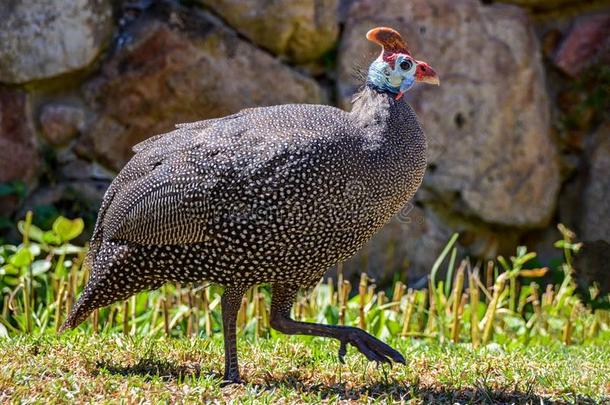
[{"x": 41, "y": 278}]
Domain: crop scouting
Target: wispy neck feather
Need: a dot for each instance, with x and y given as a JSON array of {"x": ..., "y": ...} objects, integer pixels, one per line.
[
  {"x": 371, "y": 106},
  {"x": 379, "y": 112}
]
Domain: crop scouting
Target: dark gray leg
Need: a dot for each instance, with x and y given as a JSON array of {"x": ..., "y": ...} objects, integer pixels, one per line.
[
  {"x": 230, "y": 303},
  {"x": 373, "y": 348}
]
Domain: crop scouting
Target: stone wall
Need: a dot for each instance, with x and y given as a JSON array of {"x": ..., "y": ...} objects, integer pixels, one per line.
[{"x": 518, "y": 130}]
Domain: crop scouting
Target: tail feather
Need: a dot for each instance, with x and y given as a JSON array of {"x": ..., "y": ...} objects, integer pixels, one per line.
[
  {"x": 115, "y": 276},
  {"x": 79, "y": 312},
  {"x": 98, "y": 293},
  {"x": 107, "y": 262}
]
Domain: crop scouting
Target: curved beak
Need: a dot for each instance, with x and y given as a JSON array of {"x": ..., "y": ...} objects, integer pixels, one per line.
[{"x": 425, "y": 74}]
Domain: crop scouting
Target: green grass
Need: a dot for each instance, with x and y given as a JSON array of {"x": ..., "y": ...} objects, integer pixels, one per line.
[{"x": 105, "y": 368}]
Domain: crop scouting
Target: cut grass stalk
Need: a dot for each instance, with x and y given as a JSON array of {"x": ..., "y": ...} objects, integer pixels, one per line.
[
  {"x": 408, "y": 313},
  {"x": 96, "y": 321},
  {"x": 473, "y": 290},
  {"x": 381, "y": 298},
  {"x": 457, "y": 298},
  {"x": 421, "y": 308},
  {"x": 362, "y": 301},
  {"x": 491, "y": 310},
  {"x": 489, "y": 279},
  {"x": 567, "y": 331},
  {"x": 58, "y": 305},
  {"x": 331, "y": 291},
  {"x": 133, "y": 315},
  {"x": 190, "y": 321},
  {"x": 242, "y": 317},
  {"x": 399, "y": 290},
  {"x": 165, "y": 299},
  {"x": 263, "y": 318},
  {"x": 343, "y": 295},
  {"x": 126, "y": 317},
  {"x": 207, "y": 313}
]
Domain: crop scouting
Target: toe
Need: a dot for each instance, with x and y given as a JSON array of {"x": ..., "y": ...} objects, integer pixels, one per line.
[
  {"x": 383, "y": 349},
  {"x": 369, "y": 352}
]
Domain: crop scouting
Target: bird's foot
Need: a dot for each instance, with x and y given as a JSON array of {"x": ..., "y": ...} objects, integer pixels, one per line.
[{"x": 373, "y": 348}]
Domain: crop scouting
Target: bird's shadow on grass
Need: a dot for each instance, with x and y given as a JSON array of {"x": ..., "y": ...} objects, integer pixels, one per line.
[
  {"x": 149, "y": 368},
  {"x": 391, "y": 390},
  {"x": 394, "y": 390}
]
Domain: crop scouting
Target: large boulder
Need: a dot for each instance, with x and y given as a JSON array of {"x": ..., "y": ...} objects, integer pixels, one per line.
[
  {"x": 491, "y": 157},
  {"x": 300, "y": 30},
  {"x": 177, "y": 66},
  {"x": 40, "y": 39}
]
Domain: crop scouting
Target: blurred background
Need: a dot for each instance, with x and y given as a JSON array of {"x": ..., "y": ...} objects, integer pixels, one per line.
[{"x": 519, "y": 130}]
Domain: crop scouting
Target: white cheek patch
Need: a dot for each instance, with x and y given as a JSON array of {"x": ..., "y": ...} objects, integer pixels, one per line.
[{"x": 395, "y": 79}]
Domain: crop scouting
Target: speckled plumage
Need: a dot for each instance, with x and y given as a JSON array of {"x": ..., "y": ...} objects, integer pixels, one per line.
[
  {"x": 268, "y": 195},
  {"x": 274, "y": 194}
]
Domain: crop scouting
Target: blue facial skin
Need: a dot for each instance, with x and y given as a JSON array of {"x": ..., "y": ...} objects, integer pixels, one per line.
[{"x": 398, "y": 80}]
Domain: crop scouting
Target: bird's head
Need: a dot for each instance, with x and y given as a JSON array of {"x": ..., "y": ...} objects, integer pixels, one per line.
[{"x": 395, "y": 70}]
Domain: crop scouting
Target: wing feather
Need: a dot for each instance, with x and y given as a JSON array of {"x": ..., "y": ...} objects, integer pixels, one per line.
[{"x": 173, "y": 188}]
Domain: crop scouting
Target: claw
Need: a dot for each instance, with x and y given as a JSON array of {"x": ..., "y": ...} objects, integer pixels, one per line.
[
  {"x": 386, "y": 350},
  {"x": 372, "y": 348},
  {"x": 399, "y": 358}
]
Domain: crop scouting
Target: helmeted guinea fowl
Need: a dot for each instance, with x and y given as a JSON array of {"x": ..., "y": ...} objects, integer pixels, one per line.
[{"x": 268, "y": 195}]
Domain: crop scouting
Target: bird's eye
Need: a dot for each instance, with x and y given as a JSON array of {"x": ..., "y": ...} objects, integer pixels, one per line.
[{"x": 406, "y": 64}]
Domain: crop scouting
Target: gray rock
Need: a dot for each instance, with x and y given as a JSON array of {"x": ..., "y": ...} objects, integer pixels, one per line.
[
  {"x": 545, "y": 5},
  {"x": 72, "y": 168},
  {"x": 491, "y": 156},
  {"x": 586, "y": 44},
  {"x": 40, "y": 39},
  {"x": 596, "y": 199},
  {"x": 20, "y": 159},
  {"x": 178, "y": 66},
  {"x": 61, "y": 122},
  {"x": 300, "y": 30},
  {"x": 591, "y": 265}
]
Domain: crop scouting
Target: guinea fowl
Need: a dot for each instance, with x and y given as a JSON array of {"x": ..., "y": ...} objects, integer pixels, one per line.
[{"x": 268, "y": 195}]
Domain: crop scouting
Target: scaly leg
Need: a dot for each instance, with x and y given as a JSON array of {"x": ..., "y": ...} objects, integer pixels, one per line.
[
  {"x": 373, "y": 348},
  {"x": 230, "y": 303}
]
